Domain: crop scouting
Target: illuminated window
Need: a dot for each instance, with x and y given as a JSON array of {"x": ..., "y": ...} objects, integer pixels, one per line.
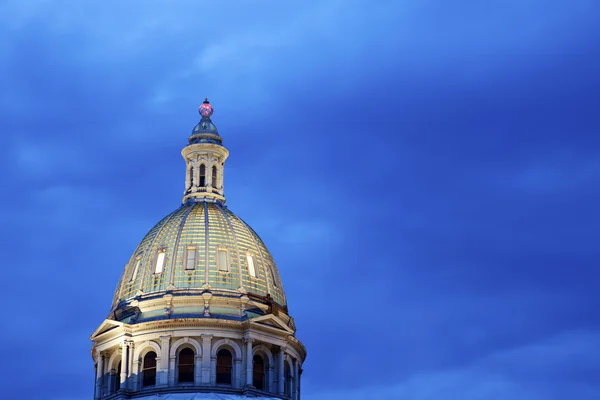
[
  {"x": 190, "y": 258},
  {"x": 202, "y": 175},
  {"x": 224, "y": 367},
  {"x": 160, "y": 262},
  {"x": 222, "y": 262},
  {"x": 185, "y": 366},
  {"x": 135, "y": 269},
  {"x": 214, "y": 176},
  {"x": 251, "y": 269},
  {"x": 149, "y": 369}
]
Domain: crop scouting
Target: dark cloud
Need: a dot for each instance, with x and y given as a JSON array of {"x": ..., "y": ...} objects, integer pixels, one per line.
[{"x": 424, "y": 174}]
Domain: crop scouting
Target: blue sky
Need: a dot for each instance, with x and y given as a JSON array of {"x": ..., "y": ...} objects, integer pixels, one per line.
[{"x": 426, "y": 174}]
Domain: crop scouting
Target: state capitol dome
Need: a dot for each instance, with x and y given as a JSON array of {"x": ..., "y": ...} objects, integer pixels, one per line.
[
  {"x": 200, "y": 308},
  {"x": 201, "y": 245}
]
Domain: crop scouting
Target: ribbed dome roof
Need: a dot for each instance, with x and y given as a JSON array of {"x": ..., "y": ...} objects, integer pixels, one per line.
[{"x": 190, "y": 239}]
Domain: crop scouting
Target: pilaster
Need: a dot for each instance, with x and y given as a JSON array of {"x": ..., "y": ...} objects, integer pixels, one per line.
[
  {"x": 99, "y": 374},
  {"x": 124, "y": 356},
  {"x": 208, "y": 178},
  {"x": 206, "y": 359},
  {"x": 163, "y": 364},
  {"x": 237, "y": 383},
  {"x": 197, "y": 370},
  {"x": 196, "y": 165},
  {"x": 172, "y": 369},
  {"x": 295, "y": 380},
  {"x": 130, "y": 351},
  {"x": 272, "y": 379},
  {"x": 281, "y": 378},
  {"x": 249, "y": 366}
]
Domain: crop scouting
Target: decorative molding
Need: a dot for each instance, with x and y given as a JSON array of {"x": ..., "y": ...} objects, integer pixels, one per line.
[
  {"x": 226, "y": 342},
  {"x": 140, "y": 350},
  {"x": 186, "y": 341}
]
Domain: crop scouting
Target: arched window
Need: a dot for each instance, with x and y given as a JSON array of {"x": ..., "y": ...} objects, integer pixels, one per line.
[
  {"x": 224, "y": 367},
  {"x": 191, "y": 175},
  {"x": 287, "y": 387},
  {"x": 116, "y": 378},
  {"x": 202, "y": 175},
  {"x": 258, "y": 372},
  {"x": 149, "y": 369},
  {"x": 214, "y": 176},
  {"x": 185, "y": 366}
]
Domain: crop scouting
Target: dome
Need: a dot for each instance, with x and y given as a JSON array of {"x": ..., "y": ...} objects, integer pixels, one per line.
[
  {"x": 199, "y": 311},
  {"x": 200, "y": 246}
]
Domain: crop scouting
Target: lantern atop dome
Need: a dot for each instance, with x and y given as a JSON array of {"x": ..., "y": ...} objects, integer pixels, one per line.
[{"x": 205, "y": 110}]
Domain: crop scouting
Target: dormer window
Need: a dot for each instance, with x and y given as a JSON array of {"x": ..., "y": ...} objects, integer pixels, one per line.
[
  {"x": 222, "y": 260},
  {"x": 135, "y": 269},
  {"x": 190, "y": 258},
  {"x": 251, "y": 269},
  {"x": 160, "y": 262}
]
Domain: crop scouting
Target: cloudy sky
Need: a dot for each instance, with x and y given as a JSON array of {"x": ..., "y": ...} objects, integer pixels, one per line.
[{"x": 426, "y": 174}]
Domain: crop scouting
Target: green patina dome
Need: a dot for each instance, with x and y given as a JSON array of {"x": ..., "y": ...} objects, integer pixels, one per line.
[{"x": 204, "y": 246}]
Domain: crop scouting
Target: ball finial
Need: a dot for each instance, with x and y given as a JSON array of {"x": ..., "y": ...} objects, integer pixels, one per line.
[{"x": 205, "y": 109}]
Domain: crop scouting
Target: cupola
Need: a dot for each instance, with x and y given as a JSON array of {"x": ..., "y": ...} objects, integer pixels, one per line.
[{"x": 205, "y": 159}]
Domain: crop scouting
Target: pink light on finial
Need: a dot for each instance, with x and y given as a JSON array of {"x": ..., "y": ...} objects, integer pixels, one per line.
[{"x": 205, "y": 109}]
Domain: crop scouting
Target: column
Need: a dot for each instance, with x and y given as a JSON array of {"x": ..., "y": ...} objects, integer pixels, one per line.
[
  {"x": 163, "y": 364},
  {"x": 124, "y": 363},
  {"x": 220, "y": 173},
  {"x": 249, "y": 366},
  {"x": 209, "y": 165},
  {"x": 299, "y": 379},
  {"x": 104, "y": 379},
  {"x": 130, "y": 350},
  {"x": 196, "y": 165},
  {"x": 188, "y": 176},
  {"x": 99, "y": 374},
  {"x": 295, "y": 380},
  {"x": 206, "y": 350},
  {"x": 280, "y": 380}
]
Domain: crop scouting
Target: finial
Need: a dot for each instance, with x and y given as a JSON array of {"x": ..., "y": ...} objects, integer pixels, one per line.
[{"x": 205, "y": 109}]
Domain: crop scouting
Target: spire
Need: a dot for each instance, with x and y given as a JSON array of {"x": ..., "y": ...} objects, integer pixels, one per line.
[{"x": 205, "y": 160}]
